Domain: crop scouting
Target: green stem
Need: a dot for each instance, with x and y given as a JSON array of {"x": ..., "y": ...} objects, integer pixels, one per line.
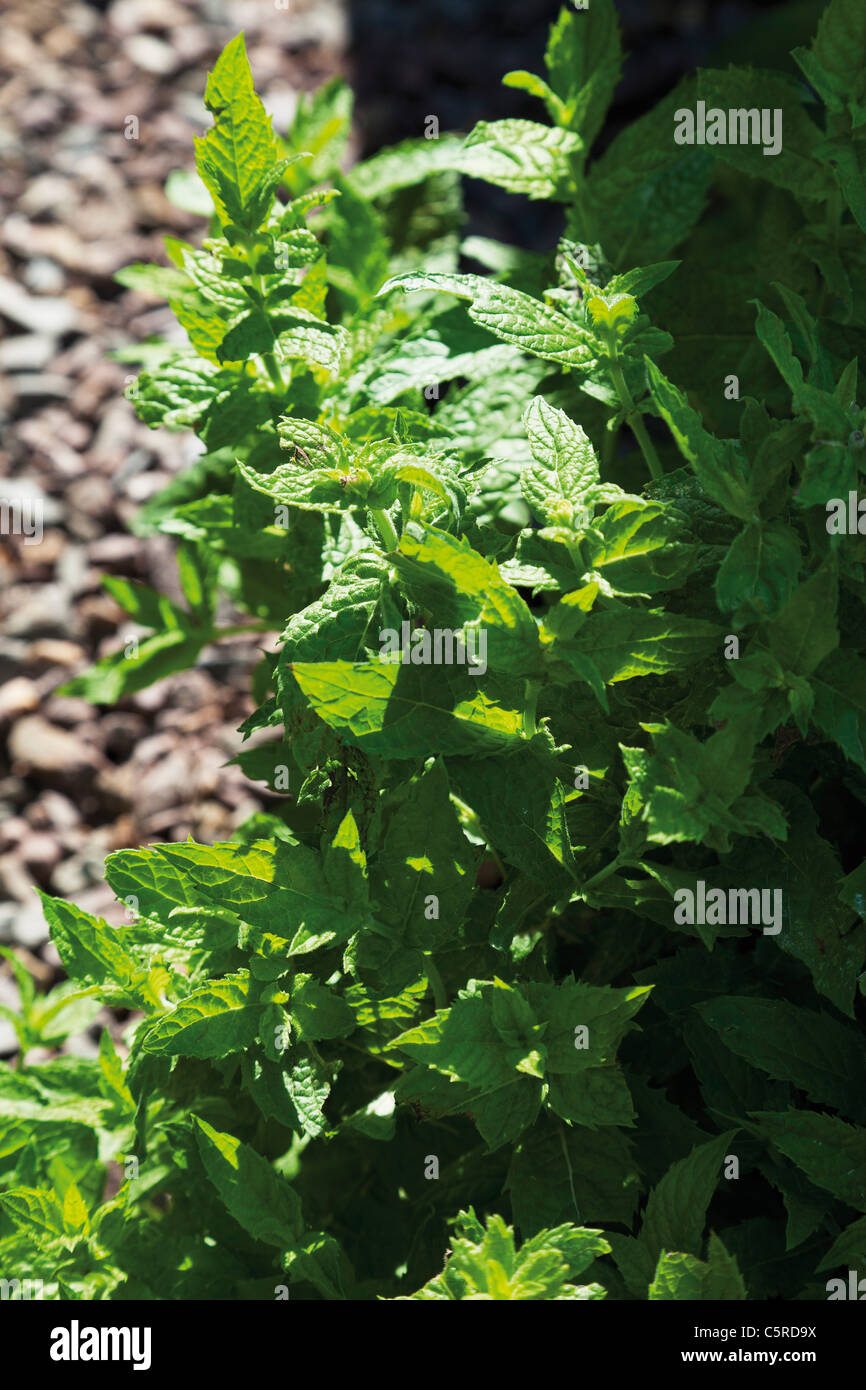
[
  {"x": 635, "y": 423},
  {"x": 570, "y": 1172},
  {"x": 602, "y": 874},
  {"x": 608, "y": 449},
  {"x": 575, "y": 552},
  {"x": 832, "y": 225},
  {"x": 434, "y": 980},
  {"x": 273, "y": 369},
  {"x": 385, "y": 527},
  {"x": 272, "y": 366},
  {"x": 529, "y": 709}
]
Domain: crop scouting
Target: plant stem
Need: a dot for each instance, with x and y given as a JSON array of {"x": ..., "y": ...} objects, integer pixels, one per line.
[
  {"x": 385, "y": 527},
  {"x": 602, "y": 874},
  {"x": 273, "y": 370},
  {"x": 570, "y": 1171},
  {"x": 271, "y": 365},
  {"x": 608, "y": 449},
  {"x": 529, "y": 709},
  {"x": 434, "y": 980},
  {"x": 635, "y": 423},
  {"x": 831, "y": 225}
]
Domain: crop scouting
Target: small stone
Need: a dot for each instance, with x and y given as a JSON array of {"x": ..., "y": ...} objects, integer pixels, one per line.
[
  {"x": 150, "y": 54},
  {"x": 116, "y": 552},
  {"x": 97, "y": 617},
  {"x": 74, "y": 875},
  {"x": 15, "y": 882},
  {"x": 44, "y": 275},
  {"x": 38, "y": 313},
  {"x": 53, "y": 651},
  {"x": 40, "y": 385},
  {"x": 44, "y": 750},
  {"x": 27, "y": 493},
  {"x": 18, "y": 696},
  {"x": 12, "y": 830},
  {"x": 11, "y": 657},
  {"x": 130, "y": 16},
  {"x": 44, "y": 613},
  {"x": 53, "y": 811},
  {"x": 29, "y": 927},
  {"x": 25, "y": 352},
  {"x": 67, "y": 710},
  {"x": 40, "y": 853}
]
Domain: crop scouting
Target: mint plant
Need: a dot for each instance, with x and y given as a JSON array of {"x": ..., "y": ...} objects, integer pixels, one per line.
[{"x": 574, "y": 941}]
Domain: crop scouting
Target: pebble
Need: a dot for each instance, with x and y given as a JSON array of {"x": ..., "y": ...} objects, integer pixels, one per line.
[
  {"x": 37, "y": 313},
  {"x": 18, "y": 696},
  {"x": 53, "y": 651},
  {"x": 28, "y": 927},
  {"x": 25, "y": 352},
  {"x": 45, "y": 750},
  {"x": 150, "y": 54}
]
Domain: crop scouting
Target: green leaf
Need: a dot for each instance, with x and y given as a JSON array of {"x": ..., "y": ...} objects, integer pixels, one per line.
[
  {"x": 840, "y": 703},
  {"x": 812, "y": 1051},
  {"x": 521, "y": 156},
  {"x": 93, "y": 953},
  {"x": 771, "y": 331},
  {"x": 634, "y": 642},
  {"x": 484, "y": 1264},
  {"x": 677, "y": 1208},
  {"x": 687, "y": 790},
  {"x": 405, "y": 711},
  {"x": 817, "y": 928},
  {"x": 638, "y": 548},
  {"x": 848, "y": 1249},
  {"x": 464, "y": 592},
  {"x": 220, "y": 1018},
  {"x": 308, "y": 1088},
  {"x": 133, "y": 668},
  {"x": 317, "y": 1012},
  {"x": 793, "y": 165},
  {"x": 511, "y": 315},
  {"x": 559, "y": 1172},
  {"x": 760, "y": 570},
  {"x": 320, "y": 127},
  {"x": 805, "y": 630},
  {"x": 831, "y": 1153},
  {"x": 425, "y": 872},
  {"x": 644, "y": 194},
  {"x": 34, "y": 1211},
  {"x": 254, "y": 1195},
  {"x": 494, "y": 1042},
  {"x": 583, "y": 59},
  {"x": 834, "y": 64},
  {"x": 401, "y": 166},
  {"x": 714, "y": 463},
  {"x": 237, "y": 158},
  {"x": 683, "y": 1277},
  {"x": 525, "y": 817},
  {"x": 279, "y": 888},
  {"x": 565, "y": 471},
  {"x": 357, "y": 245}
]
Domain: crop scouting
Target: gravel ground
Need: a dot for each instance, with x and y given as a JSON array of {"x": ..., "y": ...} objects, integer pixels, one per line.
[{"x": 79, "y": 200}]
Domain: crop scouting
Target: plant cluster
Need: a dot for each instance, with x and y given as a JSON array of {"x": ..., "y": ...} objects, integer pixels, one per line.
[{"x": 446, "y": 975}]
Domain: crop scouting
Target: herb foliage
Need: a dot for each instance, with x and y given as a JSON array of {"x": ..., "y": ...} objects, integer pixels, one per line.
[{"x": 390, "y": 973}]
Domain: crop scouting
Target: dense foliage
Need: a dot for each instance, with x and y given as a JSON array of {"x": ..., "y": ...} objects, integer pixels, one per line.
[{"x": 452, "y": 981}]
